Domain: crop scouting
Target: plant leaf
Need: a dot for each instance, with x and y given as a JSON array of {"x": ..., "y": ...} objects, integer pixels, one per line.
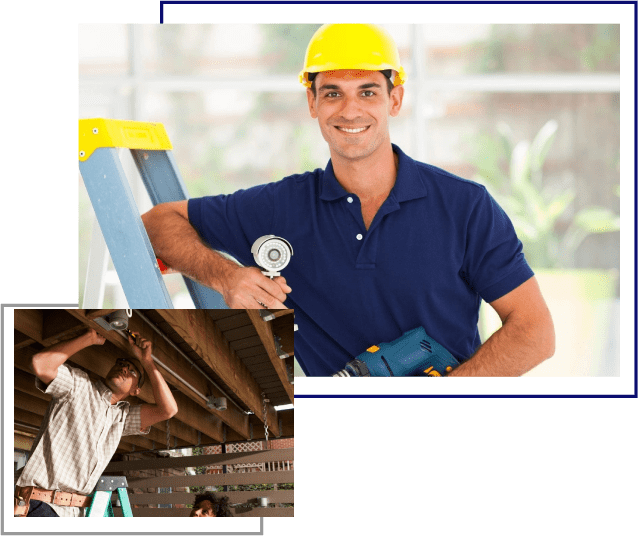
[
  {"x": 559, "y": 204},
  {"x": 597, "y": 220},
  {"x": 519, "y": 163},
  {"x": 541, "y": 145}
]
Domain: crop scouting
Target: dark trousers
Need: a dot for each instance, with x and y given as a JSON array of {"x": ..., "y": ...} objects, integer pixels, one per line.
[{"x": 40, "y": 509}]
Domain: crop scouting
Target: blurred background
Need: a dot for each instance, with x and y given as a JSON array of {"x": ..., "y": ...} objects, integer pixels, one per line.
[{"x": 531, "y": 111}]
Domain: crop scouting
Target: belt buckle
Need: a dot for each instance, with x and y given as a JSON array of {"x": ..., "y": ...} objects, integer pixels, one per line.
[{"x": 55, "y": 493}]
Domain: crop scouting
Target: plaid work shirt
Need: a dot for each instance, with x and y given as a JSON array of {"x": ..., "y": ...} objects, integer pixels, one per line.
[{"x": 78, "y": 436}]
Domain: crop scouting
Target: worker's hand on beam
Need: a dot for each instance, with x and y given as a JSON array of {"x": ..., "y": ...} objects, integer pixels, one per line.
[
  {"x": 93, "y": 337},
  {"x": 141, "y": 348},
  {"x": 248, "y": 288}
]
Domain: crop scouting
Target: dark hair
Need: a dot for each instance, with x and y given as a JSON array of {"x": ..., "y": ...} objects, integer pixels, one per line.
[
  {"x": 386, "y": 72},
  {"x": 220, "y": 504}
]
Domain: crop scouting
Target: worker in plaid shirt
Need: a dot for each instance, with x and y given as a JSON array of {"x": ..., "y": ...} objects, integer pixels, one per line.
[{"x": 84, "y": 423}]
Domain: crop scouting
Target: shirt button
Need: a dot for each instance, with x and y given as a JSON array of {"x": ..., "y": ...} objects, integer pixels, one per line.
[
  {"x": 359, "y": 236},
  {"x": 349, "y": 199}
]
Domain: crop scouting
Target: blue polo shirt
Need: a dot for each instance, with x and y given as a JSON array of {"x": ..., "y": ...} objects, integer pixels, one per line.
[{"x": 436, "y": 247}]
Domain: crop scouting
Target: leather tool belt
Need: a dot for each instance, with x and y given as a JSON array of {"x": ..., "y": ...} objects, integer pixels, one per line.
[{"x": 62, "y": 498}]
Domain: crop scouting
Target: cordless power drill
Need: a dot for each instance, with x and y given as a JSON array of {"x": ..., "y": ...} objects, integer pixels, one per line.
[{"x": 412, "y": 354}]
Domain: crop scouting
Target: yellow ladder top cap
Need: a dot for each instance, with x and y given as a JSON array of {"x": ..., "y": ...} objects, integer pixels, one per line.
[{"x": 97, "y": 133}]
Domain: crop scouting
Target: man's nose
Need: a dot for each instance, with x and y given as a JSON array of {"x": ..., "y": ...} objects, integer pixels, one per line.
[{"x": 351, "y": 108}]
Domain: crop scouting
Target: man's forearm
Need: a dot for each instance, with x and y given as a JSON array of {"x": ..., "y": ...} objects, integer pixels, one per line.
[
  {"x": 177, "y": 243},
  {"x": 45, "y": 363},
  {"x": 164, "y": 399},
  {"x": 514, "y": 349}
]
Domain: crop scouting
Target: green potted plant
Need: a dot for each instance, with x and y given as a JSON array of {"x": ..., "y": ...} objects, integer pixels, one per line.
[{"x": 539, "y": 213}]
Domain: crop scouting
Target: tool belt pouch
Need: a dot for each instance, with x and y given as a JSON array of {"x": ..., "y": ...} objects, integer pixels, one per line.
[{"x": 21, "y": 501}]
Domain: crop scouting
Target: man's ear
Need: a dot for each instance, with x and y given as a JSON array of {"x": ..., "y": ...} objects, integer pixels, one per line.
[
  {"x": 396, "y": 100},
  {"x": 311, "y": 103},
  {"x": 135, "y": 392}
]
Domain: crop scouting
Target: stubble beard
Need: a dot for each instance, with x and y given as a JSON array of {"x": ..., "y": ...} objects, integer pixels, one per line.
[{"x": 352, "y": 149}]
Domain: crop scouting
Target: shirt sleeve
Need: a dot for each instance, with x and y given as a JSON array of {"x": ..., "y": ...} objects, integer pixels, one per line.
[
  {"x": 63, "y": 384},
  {"x": 133, "y": 423},
  {"x": 231, "y": 223},
  {"x": 494, "y": 262}
]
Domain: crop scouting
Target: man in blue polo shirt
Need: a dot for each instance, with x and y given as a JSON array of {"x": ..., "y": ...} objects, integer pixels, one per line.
[{"x": 383, "y": 244}]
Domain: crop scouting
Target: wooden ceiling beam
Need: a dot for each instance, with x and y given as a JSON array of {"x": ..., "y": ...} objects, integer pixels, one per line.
[
  {"x": 97, "y": 313},
  {"x": 29, "y": 322},
  {"x": 27, "y": 417},
  {"x": 286, "y": 418},
  {"x": 58, "y": 325},
  {"x": 267, "y": 336},
  {"x": 20, "y": 340},
  {"x": 282, "y": 312},
  {"x": 284, "y": 328},
  {"x": 25, "y": 383},
  {"x": 198, "y": 329}
]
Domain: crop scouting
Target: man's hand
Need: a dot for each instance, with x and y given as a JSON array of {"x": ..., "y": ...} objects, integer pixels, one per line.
[
  {"x": 141, "y": 348},
  {"x": 248, "y": 288},
  {"x": 93, "y": 337}
]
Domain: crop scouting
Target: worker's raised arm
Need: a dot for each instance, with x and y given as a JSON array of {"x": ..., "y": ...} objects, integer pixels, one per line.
[
  {"x": 45, "y": 363},
  {"x": 177, "y": 243},
  {"x": 165, "y": 406}
]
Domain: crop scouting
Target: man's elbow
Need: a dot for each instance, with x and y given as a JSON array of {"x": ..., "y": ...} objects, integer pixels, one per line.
[
  {"x": 170, "y": 411},
  {"x": 39, "y": 367},
  {"x": 547, "y": 337}
]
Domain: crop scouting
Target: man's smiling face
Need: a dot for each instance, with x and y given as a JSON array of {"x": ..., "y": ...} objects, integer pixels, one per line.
[{"x": 353, "y": 107}]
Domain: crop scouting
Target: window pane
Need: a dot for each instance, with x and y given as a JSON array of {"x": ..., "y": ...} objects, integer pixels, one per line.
[
  {"x": 103, "y": 49},
  {"x": 522, "y": 48}
]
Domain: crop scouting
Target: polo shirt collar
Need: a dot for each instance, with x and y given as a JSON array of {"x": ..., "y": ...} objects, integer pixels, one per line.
[
  {"x": 331, "y": 190},
  {"x": 408, "y": 185}
]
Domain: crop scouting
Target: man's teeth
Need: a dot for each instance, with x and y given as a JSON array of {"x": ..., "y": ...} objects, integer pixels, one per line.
[{"x": 352, "y": 130}]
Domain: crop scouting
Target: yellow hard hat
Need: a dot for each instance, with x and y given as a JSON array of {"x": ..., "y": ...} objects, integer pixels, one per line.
[{"x": 351, "y": 46}]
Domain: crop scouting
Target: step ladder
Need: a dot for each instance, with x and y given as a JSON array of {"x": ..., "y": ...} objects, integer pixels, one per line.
[
  {"x": 101, "y": 503},
  {"x": 117, "y": 213}
]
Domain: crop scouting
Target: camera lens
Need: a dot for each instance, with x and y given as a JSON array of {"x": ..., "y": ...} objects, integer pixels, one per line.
[{"x": 274, "y": 254}]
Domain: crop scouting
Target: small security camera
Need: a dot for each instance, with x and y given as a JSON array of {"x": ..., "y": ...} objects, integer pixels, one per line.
[
  {"x": 115, "y": 320},
  {"x": 217, "y": 403},
  {"x": 272, "y": 253}
]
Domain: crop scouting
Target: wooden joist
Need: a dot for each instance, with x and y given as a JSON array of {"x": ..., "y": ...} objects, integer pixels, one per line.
[
  {"x": 200, "y": 332},
  {"x": 267, "y": 337}
]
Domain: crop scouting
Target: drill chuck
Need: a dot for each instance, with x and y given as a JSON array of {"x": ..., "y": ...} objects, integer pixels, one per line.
[{"x": 356, "y": 367}]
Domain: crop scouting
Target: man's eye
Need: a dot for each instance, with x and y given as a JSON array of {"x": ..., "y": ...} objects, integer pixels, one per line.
[
  {"x": 368, "y": 93},
  {"x": 332, "y": 94}
]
